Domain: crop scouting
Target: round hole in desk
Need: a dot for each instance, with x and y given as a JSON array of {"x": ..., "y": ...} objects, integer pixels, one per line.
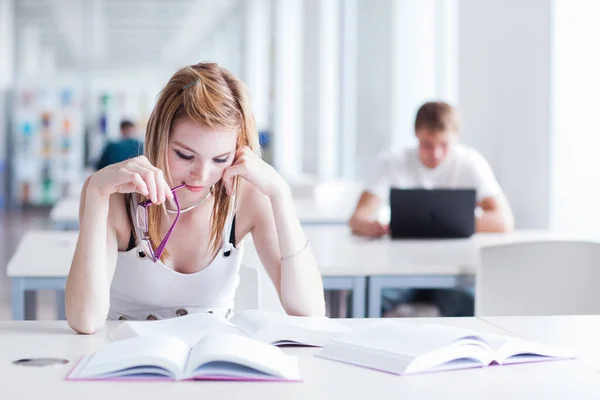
[{"x": 41, "y": 362}]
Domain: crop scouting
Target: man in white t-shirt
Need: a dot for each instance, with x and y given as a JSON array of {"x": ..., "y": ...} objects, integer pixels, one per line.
[{"x": 438, "y": 161}]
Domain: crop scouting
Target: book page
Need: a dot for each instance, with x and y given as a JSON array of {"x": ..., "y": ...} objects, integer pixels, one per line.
[
  {"x": 437, "y": 336},
  {"x": 517, "y": 350},
  {"x": 408, "y": 339},
  {"x": 160, "y": 355},
  {"x": 404, "y": 348},
  {"x": 225, "y": 349},
  {"x": 189, "y": 328},
  {"x": 279, "y": 329},
  {"x": 451, "y": 357}
]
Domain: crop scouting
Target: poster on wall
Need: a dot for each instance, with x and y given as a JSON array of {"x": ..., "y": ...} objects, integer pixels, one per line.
[{"x": 47, "y": 143}]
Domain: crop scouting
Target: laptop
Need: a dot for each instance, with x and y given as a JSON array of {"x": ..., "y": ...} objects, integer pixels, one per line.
[{"x": 432, "y": 213}]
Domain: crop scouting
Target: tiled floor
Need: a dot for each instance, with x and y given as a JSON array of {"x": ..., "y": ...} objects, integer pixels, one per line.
[{"x": 13, "y": 224}]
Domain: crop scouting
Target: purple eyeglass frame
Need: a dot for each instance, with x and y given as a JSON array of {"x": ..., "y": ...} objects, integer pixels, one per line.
[{"x": 155, "y": 255}]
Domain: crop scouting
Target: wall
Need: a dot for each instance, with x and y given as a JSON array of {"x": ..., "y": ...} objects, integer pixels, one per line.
[
  {"x": 504, "y": 97},
  {"x": 575, "y": 165}
]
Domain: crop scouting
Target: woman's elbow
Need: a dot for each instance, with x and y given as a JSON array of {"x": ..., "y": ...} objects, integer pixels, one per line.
[
  {"x": 83, "y": 320},
  {"x": 85, "y": 326},
  {"x": 316, "y": 309}
]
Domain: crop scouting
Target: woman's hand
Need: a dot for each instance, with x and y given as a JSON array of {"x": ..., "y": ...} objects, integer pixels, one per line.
[
  {"x": 252, "y": 168},
  {"x": 135, "y": 175}
]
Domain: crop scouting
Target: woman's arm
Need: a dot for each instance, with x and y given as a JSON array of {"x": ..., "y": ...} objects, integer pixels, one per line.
[
  {"x": 88, "y": 284},
  {"x": 282, "y": 247},
  {"x": 278, "y": 235}
]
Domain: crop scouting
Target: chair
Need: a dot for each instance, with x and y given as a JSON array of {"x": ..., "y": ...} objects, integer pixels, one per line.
[
  {"x": 255, "y": 291},
  {"x": 538, "y": 278}
]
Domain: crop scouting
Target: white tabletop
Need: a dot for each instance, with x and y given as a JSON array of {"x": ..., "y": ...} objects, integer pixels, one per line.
[
  {"x": 45, "y": 254},
  {"x": 66, "y": 210},
  {"x": 322, "y": 379},
  {"x": 310, "y": 212},
  {"x": 338, "y": 253}
]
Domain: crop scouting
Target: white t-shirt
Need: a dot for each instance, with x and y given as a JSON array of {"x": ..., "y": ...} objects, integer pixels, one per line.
[{"x": 464, "y": 168}]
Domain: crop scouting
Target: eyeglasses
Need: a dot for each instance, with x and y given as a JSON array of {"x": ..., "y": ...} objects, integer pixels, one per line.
[{"x": 142, "y": 223}]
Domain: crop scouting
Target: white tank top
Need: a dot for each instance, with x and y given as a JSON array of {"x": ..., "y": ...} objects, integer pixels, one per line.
[{"x": 142, "y": 289}]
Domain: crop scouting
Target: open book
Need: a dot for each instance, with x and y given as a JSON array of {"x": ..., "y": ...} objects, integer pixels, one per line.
[
  {"x": 404, "y": 348},
  {"x": 214, "y": 357},
  {"x": 268, "y": 327}
]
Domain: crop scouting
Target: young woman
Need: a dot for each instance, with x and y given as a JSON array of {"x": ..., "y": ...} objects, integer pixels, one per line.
[{"x": 161, "y": 235}]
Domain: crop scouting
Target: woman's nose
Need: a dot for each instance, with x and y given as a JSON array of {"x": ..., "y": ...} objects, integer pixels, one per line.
[{"x": 201, "y": 173}]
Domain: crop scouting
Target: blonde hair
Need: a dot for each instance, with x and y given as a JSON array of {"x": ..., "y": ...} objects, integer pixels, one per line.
[{"x": 210, "y": 96}]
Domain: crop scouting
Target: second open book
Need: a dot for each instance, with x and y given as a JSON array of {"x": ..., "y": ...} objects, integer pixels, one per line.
[{"x": 403, "y": 348}]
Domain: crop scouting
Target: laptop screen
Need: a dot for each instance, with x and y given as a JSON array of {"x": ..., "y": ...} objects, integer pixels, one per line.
[{"x": 432, "y": 213}]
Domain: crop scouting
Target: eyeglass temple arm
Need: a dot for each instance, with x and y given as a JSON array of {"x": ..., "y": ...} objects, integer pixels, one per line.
[{"x": 161, "y": 246}]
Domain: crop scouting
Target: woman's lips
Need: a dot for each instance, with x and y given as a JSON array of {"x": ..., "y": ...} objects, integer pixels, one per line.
[{"x": 194, "y": 188}]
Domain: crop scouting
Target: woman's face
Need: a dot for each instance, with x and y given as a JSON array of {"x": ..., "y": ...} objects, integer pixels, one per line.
[{"x": 197, "y": 157}]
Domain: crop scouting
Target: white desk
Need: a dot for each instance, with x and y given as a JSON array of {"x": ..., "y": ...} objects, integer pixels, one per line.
[
  {"x": 322, "y": 379},
  {"x": 347, "y": 260},
  {"x": 65, "y": 213},
  {"x": 41, "y": 261},
  {"x": 311, "y": 213}
]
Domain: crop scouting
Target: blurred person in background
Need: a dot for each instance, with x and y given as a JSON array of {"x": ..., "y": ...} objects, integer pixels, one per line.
[
  {"x": 128, "y": 146},
  {"x": 438, "y": 161}
]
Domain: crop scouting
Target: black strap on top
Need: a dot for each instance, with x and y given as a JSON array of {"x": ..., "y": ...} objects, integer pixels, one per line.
[
  {"x": 131, "y": 243},
  {"x": 232, "y": 234},
  {"x": 128, "y": 200}
]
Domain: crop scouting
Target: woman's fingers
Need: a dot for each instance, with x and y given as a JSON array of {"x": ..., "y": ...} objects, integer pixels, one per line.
[
  {"x": 129, "y": 181},
  {"x": 139, "y": 175},
  {"x": 149, "y": 178},
  {"x": 163, "y": 190},
  {"x": 140, "y": 185},
  {"x": 230, "y": 173},
  {"x": 161, "y": 185}
]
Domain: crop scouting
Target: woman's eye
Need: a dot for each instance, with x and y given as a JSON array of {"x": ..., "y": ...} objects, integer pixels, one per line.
[
  {"x": 183, "y": 156},
  {"x": 221, "y": 160}
]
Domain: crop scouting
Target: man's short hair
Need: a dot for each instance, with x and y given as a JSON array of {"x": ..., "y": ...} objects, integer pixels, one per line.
[
  {"x": 437, "y": 116},
  {"x": 125, "y": 124}
]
